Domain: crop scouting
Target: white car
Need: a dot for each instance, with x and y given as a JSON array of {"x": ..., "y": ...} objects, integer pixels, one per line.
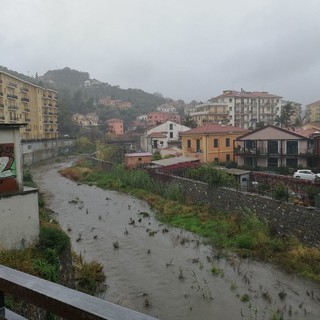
[{"x": 307, "y": 175}]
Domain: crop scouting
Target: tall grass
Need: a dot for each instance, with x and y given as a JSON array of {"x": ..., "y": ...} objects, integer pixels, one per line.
[{"x": 244, "y": 233}]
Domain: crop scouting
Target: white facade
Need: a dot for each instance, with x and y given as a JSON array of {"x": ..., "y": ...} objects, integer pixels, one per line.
[
  {"x": 19, "y": 216},
  {"x": 161, "y": 136},
  {"x": 241, "y": 109}
]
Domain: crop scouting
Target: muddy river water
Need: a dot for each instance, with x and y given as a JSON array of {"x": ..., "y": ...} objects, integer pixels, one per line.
[{"x": 167, "y": 272}]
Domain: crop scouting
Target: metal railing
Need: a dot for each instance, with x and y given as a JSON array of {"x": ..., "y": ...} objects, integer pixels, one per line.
[{"x": 60, "y": 300}]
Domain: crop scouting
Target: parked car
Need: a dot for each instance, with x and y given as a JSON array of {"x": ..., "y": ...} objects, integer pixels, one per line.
[{"x": 307, "y": 175}]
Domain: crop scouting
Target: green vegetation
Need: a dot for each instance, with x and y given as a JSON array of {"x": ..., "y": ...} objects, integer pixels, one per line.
[
  {"x": 211, "y": 174},
  {"x": 245, "y": 233}
]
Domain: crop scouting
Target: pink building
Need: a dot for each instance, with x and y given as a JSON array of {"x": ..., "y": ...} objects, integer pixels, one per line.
[
  {"x": 115, "y": 126},
  {"x": 156, "y": 118}
]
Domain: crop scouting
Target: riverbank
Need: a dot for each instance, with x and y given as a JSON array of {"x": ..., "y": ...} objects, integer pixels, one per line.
[
  {"x": 246, "y": 235},
  {"x": 163, "y": 271},
  {"x": 51, "y": 258}
]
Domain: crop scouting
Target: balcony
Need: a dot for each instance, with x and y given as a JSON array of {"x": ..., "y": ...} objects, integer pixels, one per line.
[
  {"x": 25, "y": 100},
  {"x": 12, "y": 96},
  {"x": 1, "y": 94},
  {"x": 24, "y": 90},
  {"x": 13, "y": 107},
  {"x": 12, "y": 85},
  {"x": 1, "y": 106},
  {"x": 61, "y": 301}
]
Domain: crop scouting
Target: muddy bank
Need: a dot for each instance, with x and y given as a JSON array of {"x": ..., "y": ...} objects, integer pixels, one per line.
[{"x": 167, "y": 272}]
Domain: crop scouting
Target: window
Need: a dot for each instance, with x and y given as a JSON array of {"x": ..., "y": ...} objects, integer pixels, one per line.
[
  {"x": 139, "y": 159},
  {"x": 292, "y": 147},
  {"x": 215, "y": 143},
  {"x": 171, "y": 134},
  {"x": 188, "y": 143},
  {"x": 227, "y": 157},
  {"x": 250, "y": 162},
  {"x": 292, "y": 163},
  {"x": 272, "y": 162},
  {"x": 216, "y": 160},
  {"x": 227, "y": 142},
  {"x": 198, "y": 147},
  {"x": 171, "y": 126},
  {"x": 273, "y": 146}
]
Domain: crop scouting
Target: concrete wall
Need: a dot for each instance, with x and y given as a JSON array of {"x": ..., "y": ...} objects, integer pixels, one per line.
[
  {"x": 284, "y": 219},
  {"x": 19, "y": 219},
  {"x": 37, "y": 151}
]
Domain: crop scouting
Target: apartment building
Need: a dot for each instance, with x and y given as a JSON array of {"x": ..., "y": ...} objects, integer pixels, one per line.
[
  {"x": 313, "y": 111},
  {"x": 212, "y": 142},
  {"x": 86, "y": 120},
  {"x": 156, "y": 117},
  {"x": 107, "y": 101},
  {"x": 25, "y": 102},
  {"x": 115, "y": 126},
  {"x": 241, "y": 109}
]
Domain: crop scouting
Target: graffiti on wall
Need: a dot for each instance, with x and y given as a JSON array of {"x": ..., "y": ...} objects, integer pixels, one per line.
[{"x": 8, "y": 172}]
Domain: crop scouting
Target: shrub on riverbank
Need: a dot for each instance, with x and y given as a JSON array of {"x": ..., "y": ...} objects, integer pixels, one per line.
[{"x": 244, "y": 233}]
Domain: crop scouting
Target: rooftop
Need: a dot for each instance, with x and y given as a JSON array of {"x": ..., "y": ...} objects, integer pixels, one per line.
[{"x": 215, "y": 128}]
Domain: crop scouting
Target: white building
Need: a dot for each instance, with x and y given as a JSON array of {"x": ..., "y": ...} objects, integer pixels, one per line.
[
  {"x": 162, "y": 136},
  {"x": 242, "y": 109},
  {"x": 19, "y": 214}
]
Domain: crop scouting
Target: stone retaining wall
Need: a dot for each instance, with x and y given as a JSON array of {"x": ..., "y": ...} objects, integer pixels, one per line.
[{"x": 283, "y": 218}]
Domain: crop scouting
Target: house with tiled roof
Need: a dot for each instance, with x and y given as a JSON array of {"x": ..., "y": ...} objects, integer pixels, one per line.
[
  {"x": 211, "y": 142},
  {"x": 162, "y": 136},
  {"x": 115, "y": 126},
  {"x": 272, "y": 146},
  {"x": 242, "y": 109}
]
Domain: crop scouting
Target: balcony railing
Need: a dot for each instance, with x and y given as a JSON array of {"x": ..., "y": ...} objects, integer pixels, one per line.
[
  {"x": 12, "y": 96},
  {"x": 25, "y": 99},
  {"x": 24, "y": 90},
  {"x": 13, "y": 107},
  {"x": 61, "y": 301},
  {"x": 12, "y": 85}
]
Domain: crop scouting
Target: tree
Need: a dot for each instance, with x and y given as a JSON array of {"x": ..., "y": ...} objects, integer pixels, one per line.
[
  {"x": 188, "y": 121},
  {"x": 284, "y": 120}
]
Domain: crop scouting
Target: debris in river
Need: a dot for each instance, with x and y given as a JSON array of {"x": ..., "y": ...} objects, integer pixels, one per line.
[
  {"x": 79, "y": 238},
  {"x": 147, "y": 301},
  {"x": 126, "y": 231},
  {"x": 116, "y": 244},
  {"x": 131, "y": 221},
  {"x": 144, "y": 214},
  {"x": 169, "y": 264},
  {"x": 148, "y": 251},
  {"x": 181, "y": 276},
  {"x": 95, "y": 237}
]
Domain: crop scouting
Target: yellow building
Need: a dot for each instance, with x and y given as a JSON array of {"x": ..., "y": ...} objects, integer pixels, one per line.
[
  {"x": 313, "y": 111},
  {"x": 25, "y": 102},
  {"x": 212, "y": 142}
]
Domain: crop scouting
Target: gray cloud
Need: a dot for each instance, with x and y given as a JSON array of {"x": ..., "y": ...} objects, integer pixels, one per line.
[{"x": 188, "y": 49}]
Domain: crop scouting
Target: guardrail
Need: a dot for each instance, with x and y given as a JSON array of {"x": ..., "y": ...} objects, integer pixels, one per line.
[{"x": 60, "y": 300}]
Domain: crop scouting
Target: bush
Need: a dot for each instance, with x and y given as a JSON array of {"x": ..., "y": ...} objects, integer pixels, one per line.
[
  {"x": 90, "y": 277},
  {"x": 281, "y": 192},
  {"x": 53, "y": 238}
]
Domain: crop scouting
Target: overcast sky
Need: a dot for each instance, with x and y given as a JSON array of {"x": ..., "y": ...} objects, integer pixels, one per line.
[{"x": 184, "y": 49}]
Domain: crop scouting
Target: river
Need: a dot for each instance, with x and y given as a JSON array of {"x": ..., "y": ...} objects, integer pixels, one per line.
[{"x": 163, "y": 271}]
